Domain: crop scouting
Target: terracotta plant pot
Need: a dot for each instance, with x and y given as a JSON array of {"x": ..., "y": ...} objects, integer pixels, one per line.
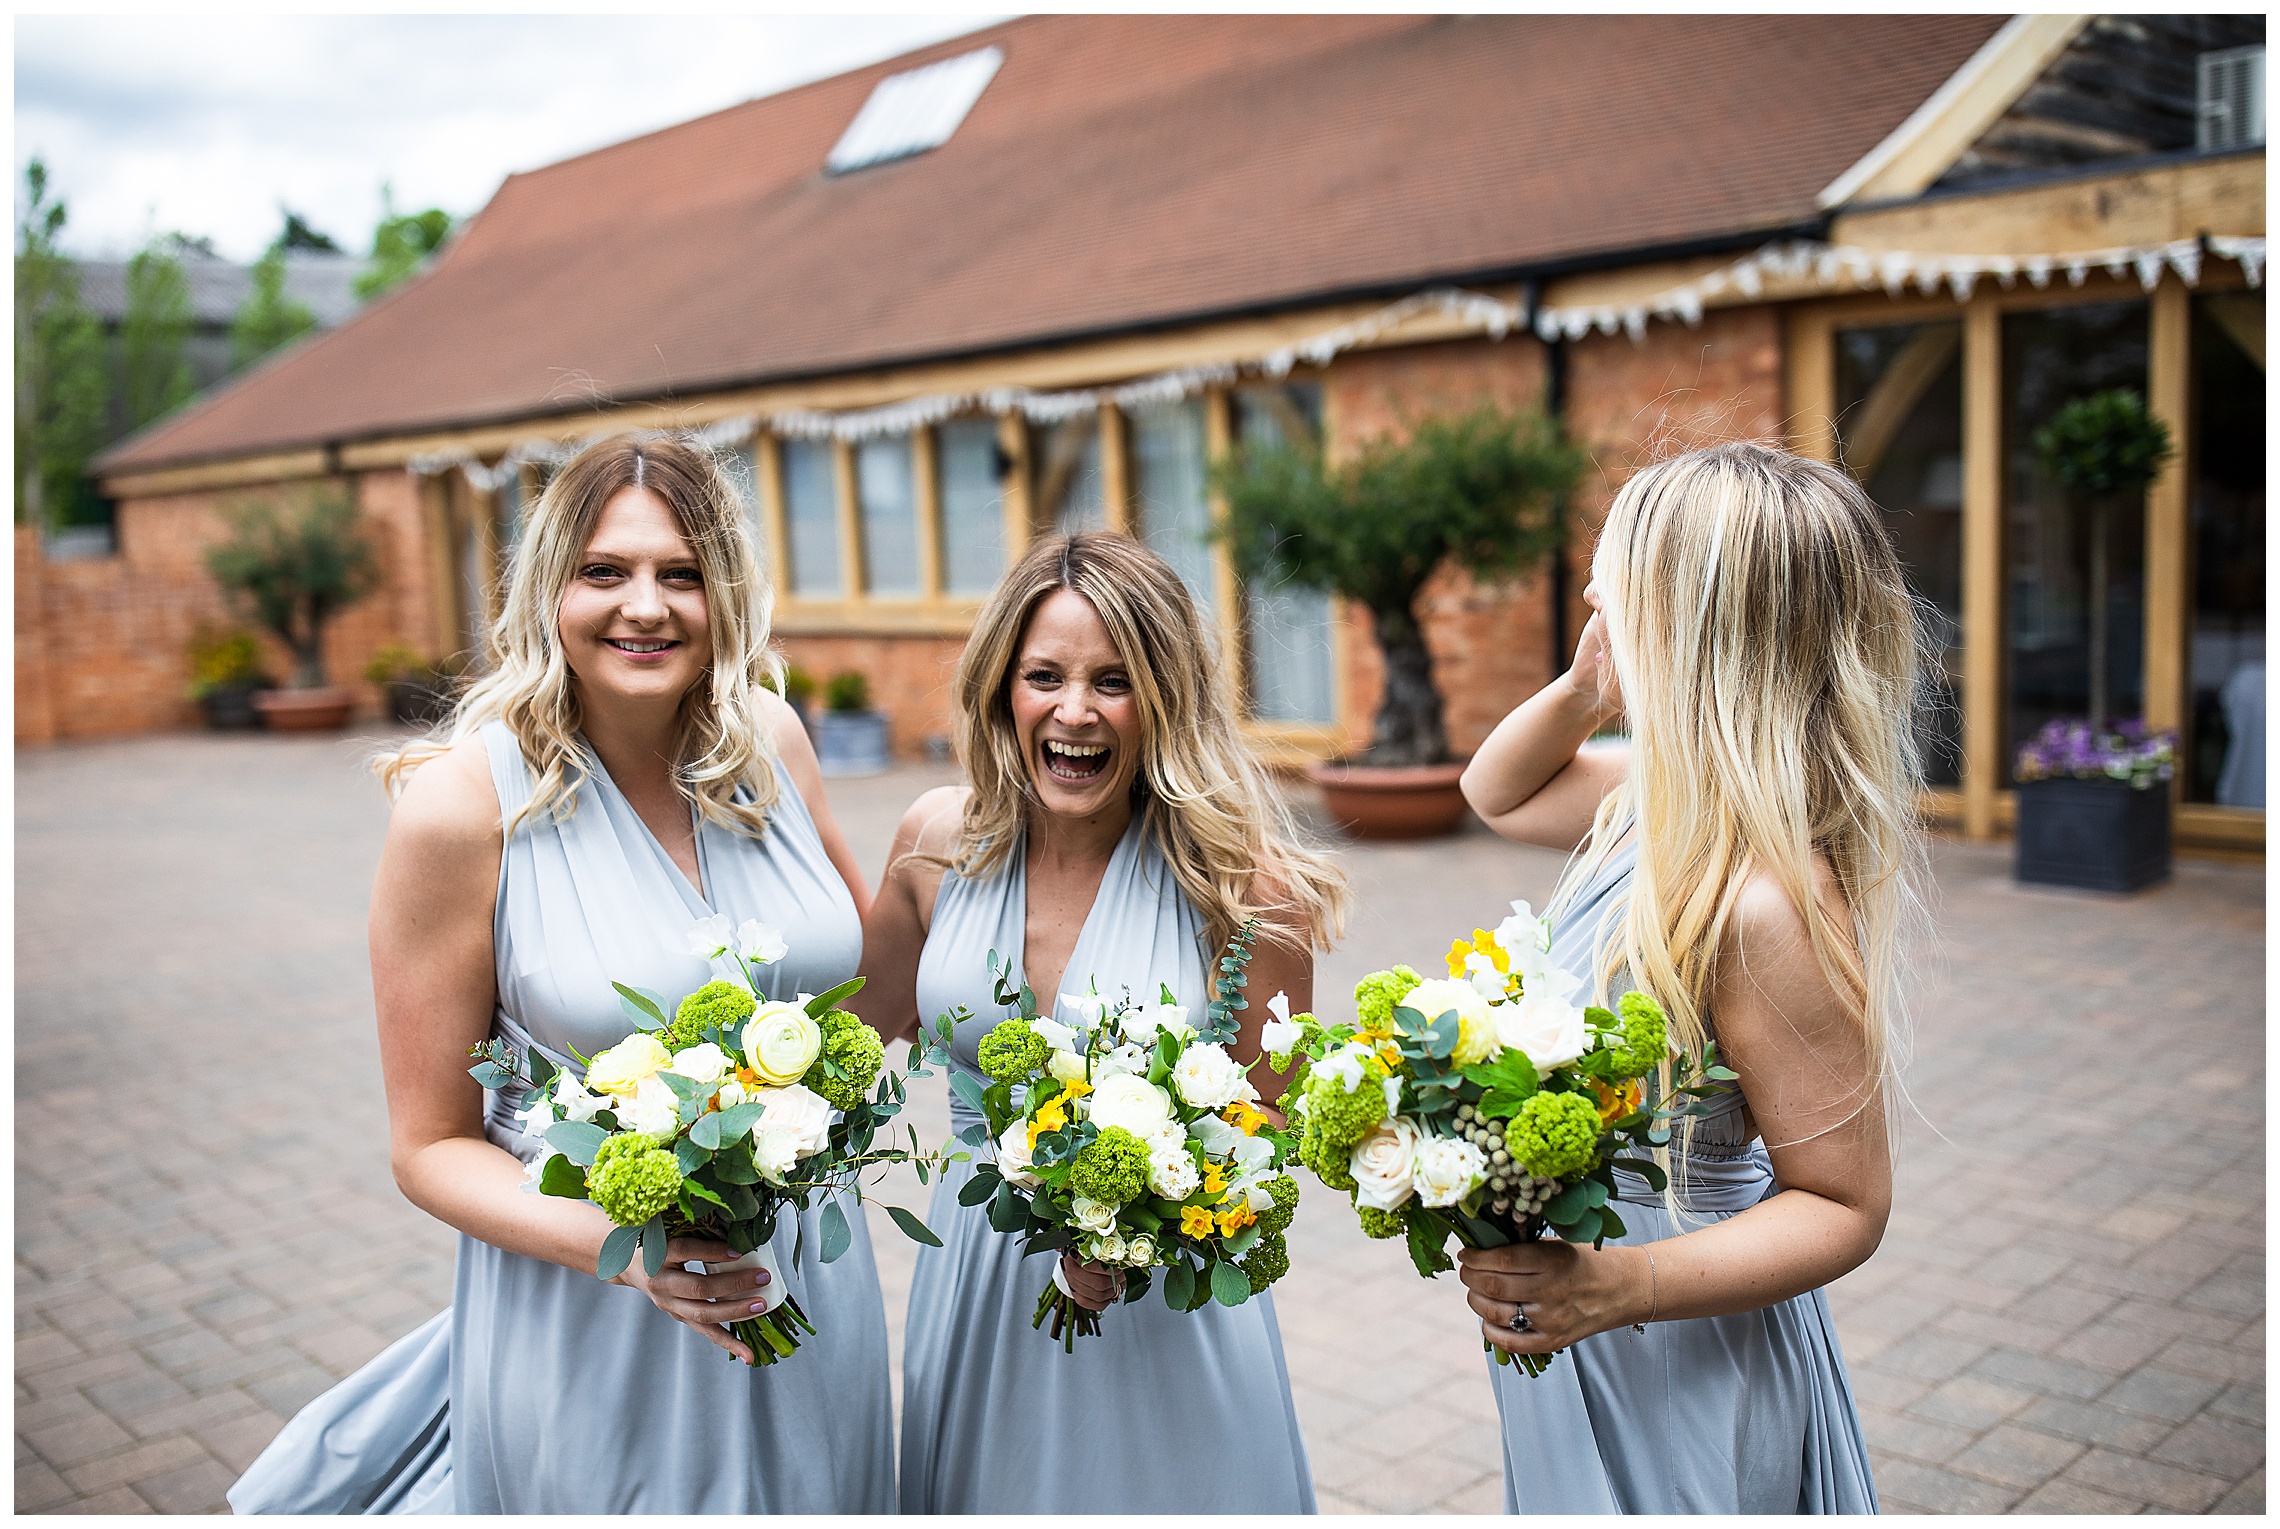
[
  {"x": 1392, "y": 802},
  {"x": 305, "y": 711}
]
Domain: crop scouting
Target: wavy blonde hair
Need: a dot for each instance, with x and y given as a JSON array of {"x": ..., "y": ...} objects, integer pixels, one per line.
[
  {"x": 1769, "y": 653},
  {"x": 723, "y": 738},
  {"x": 1204, "y": 799}
]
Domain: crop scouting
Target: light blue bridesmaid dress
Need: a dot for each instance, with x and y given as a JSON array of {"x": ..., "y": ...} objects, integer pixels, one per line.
[
  {"x": 1162, "y": 1411},
  {"x": 542, "y": 1389},
  {"x": 1750, "y": 1413}
]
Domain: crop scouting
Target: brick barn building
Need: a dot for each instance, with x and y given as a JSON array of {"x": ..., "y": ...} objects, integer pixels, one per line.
[{"x": 1038, "y": 276}]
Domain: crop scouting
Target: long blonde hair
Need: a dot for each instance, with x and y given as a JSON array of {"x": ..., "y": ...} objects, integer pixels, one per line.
[
  {"x": 1203, "y": 798},
  {"x": 723, "y": 739},
  {"x": 1769, "y": 653}
]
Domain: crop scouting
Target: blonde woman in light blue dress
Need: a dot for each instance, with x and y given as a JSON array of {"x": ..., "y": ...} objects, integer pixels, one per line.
[
  {"x": 1751, "y": 858},
  {"x": 1114, "y": 831}
]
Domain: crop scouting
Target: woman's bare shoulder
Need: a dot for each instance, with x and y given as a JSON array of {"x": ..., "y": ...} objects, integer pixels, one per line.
[
  {"x": 449, "y": 802},
  {"x": 931, "y": 825}
]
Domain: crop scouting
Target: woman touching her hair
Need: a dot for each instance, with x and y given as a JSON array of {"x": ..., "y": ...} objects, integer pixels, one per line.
[{"x": 1751, "y": 859}]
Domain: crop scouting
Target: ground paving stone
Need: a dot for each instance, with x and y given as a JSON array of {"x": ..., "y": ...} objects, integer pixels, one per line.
[{"x": 2085, "y": 1243}]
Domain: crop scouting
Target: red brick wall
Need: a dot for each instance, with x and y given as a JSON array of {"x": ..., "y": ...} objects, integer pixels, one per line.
[
  {"x": 101, "y": 643},
  {"x": 911, "y": 679}
]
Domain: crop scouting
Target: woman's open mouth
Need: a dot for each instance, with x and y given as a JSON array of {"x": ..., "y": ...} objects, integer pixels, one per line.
[{"x": 1074, "y": 762}]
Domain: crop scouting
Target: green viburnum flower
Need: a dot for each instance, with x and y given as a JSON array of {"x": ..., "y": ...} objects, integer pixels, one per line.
[
  {"x": 1342, "y": 1117},
  {"x": 1113, "y": 1170},
  {"x": 1330, "y": 1163},
  {"x": 1554, "y": 1136},
  {"x": 633, "y": 1179},
  {"x": 716, "y": 1003},
  {"x": 1013, "y": 1051},
  {"x": 1268, "y": 1261},
  {"x": 1285, "y": 1190},
  {"x": 1380, "y": 1223},
  {"x": 858, "y": 1050},
  {"x": 1646, "y": 1036},
  {"x": 1376, "y": 995}
]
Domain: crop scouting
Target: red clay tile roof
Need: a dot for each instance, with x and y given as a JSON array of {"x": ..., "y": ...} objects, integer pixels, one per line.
[{"x": 1120, "y": 172}]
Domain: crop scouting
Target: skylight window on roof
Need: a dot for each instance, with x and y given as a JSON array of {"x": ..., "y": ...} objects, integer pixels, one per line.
[{"x": 914, "y": 111}]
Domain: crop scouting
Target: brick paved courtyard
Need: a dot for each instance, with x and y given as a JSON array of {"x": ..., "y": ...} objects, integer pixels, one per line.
[{"x": 2067, "y": 1314}]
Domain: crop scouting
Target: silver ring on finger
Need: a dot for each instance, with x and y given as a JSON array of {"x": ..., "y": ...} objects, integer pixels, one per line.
[{"x": 1520, "y": 1322}]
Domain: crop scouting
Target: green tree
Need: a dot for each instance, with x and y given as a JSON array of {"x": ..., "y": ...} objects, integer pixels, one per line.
[
  {"x": 269, "y": 317},
  {"x": 1480, "y": 491},
  {"x": 401, "y": 244},
  {"x": 154, "y": 336},
  {"x": 61, "y": 389},
  {"x": 297, "y": 567},
  {"x": 298, "y": 235}
]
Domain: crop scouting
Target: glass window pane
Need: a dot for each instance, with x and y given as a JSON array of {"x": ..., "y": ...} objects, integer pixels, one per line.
[
  {"x": 2052, "y": 611},
  {"x": 1175, "y": 510},
  {"x": 1069, "y": 496},
  {"x": 741, "y": 468},
  {"x": 973, "y": 506},
  {"x": 2224, "y": 744},
  {"x": 1289, "y": 624},
  {"x": 811, "y": 519},
  {"x": 888, "y": 508},
  {"x": 1900, "y": 431}
]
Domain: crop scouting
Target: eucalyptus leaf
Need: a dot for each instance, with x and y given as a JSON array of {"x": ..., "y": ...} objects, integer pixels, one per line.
[
  {"x": 578, "y": 1140},
  {"x": 1179, "y": 1285},
  {"x": 963, "y": 1085},
  {"x": 913, "y": 1228},
  {"x": 1006, "y": 1211},
  {"x": 643, "y": 1007},
  {"x": 737, "y": 1121},
  {"x": 823, "y": 1003},
  {"x": 562, "y": 1177},
  {"x": 541, "y": 1070},
  {"x": 978, "y": 1188},
  {"x": 706, "y": 1132},
  {"x": 492, "y": 1076},
  {"x": 1584, "y": 1228},
  {"x": 653, "y": 1246},
  {"x": 690, "y": 1156},
  {"x": 1230, "y": 1286},
  {"x": 836, "y": 1236},
  {"x": 1568, "y": 1204},
  {"x": 1610, "y": 1224},
  {"x": 1242, "y": 1242},
  {"x": 617, "y": 1251},
  {"x": 1645, "y": 1168}
]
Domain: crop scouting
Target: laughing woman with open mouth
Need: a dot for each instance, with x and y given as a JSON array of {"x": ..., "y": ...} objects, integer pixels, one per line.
[{"x": 1114, "y": 830}]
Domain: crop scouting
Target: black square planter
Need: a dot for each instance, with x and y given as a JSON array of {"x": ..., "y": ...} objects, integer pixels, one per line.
[{"x": 2105, "y": 835}]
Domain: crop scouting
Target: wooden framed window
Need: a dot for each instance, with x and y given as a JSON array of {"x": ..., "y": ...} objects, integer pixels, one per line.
[
  {"x": 886, "y": 507},
  {"x": 971, "y": 468},
  {"x": 811, "y": 521}
]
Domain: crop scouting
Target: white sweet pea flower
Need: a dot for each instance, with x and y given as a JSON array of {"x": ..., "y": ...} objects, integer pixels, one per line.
[
  {"x": 1217, "y": 1136},
  {"x": 1525, "y": 935},
  {"x": 702, "y": 1063},
  {"x": 653, "y": 1109},
  {"x": 1089, "y": 1008},
  {"x": 575, "y": 1103},
  {"x": 1174, "y": 1018},
  {"x": 1138, "y": 1025},
  {"x": 1127, "y": 1058},
  {"x": 709, "y": 937},
  {"x": 1258, "y": 1199},
  {"x": 1447, "y": 1169},
  {"x": 1278, "y": 1035},
  {"x": 1252, "y": 1154},
  {"x": 1486, "y": 980},
  {"x": 534, "y": 1170},
  {"x": 1206, "y": 1077},
  {"x": 1345, "y": 1064},
  {"x": 1392, "y": 1087},
  {"x": 759, "y": 942},
  {"x": 1057, "y": 1035}
]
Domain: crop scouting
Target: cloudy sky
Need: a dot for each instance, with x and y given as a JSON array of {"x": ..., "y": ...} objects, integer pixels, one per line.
[{"x": 208, "y": 124}]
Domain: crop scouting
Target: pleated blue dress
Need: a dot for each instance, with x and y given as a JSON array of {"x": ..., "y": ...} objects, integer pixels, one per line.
[
  {"x": 1751, "y": 1413},
  {"x": 1162, "y": 1411},
  {"x": 542, "y": 1389}
]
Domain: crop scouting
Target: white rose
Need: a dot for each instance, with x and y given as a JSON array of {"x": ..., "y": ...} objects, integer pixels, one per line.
[
  {"x": 619, "y": 1070},
  {"x": 760, "y": 943},
  {"x": 1111, "y": 1250},
  {"x": 700, "y": 1064},
  {"x": 1447, "y": 1169},
  {"x": 1133, "y": 1103},
  {"x": 781, "y": 1042},
  {"x": 732, "y": 1094},
  {"x": 1013, "y": 1156},
  {"x": 1140, "y": 1251},
  {"x": 653, "y": 1110},
  {"x": 1382, "y": 1164},
  {"x": 800, "y": 1114},
  {"x": 1545, "y": 1022},
  {"x": 1172, "y": 1175},
  {"x": 1067, "y": 1066},
  {"x": 1092, "y": 1215},
  {"x": 775, "y": 1154},
  {"x": 709, "y": 937},
  {"x": 1207, "y": 1077}
]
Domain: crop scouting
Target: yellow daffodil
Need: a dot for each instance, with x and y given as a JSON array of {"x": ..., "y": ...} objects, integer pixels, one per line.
[
  {"x": 1482, "y": 943},
  {"x": 1243, "y": 1118},
  {"x": 1214, "y": 1179},
  {"x": 1051, "y": 1118},
  {"x": 1195, "y": 1221},
  {"x": 1075, "y": 1088},
  {"x": 1235, "y": 1218},
  {"x": 1615, "y": 1103}
]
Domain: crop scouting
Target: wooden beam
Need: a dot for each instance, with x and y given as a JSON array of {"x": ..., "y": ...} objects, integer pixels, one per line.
[
  {"x": 1115, "y": 470},
  {"x": 2154, "y": 206},
  {"x": 876, "y": 618},
  {"x": 445, "y": 624},
  {"x": 852, "y": 578},
  {"x": 2168, "y": 519},
  {"x": 1983, "y": 634},
  {"x": 768, "y": 476},
  {"x": 926, "y": 504},
  {"x": 1020, "y": 512},
  {"x": 1227, "y": 591},
  {"x": 240, "y": 473},
  {"x": 1810, "y": 381},
  {"x": 1973, "y": 99}
]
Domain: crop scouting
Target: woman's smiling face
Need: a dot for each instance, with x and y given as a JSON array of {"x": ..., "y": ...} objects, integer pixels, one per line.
[
  {"x": 1073, "y": 709},
  {"x": 633, "y": 621}
]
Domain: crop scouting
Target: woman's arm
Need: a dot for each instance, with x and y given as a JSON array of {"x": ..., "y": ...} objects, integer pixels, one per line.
[
  {"x": 1529, "y": 781},
  {"x": 1806, "y": 1079},
  {"x": 895, "y": 931},
  {"x": 434, "y": 987},
  {"x": 1282, "y": 961},
  {"x": 798, "y": 754}
]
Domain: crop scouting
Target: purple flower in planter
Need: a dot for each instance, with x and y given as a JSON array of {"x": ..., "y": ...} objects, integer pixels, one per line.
[{"x": 2127, "y": 751}]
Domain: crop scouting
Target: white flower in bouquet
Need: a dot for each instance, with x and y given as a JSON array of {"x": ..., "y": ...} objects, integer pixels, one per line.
[
  {"x": 761, "y": 943},
  {"x": 575, "y": 1103},
  {"x": 1279, "y": 1034},
  {"x": 1486, "y": 980},
  {"x": 1013, "y": 1156},
  {"x": 533, "y": 1169},
  {"x": 1067, "y": 1066},
  {"x": 1088, "y": 1007},
  {"x": 702, "y": 1063},
  {"x": 732, "y": 1093},
  {"x": 1252, "y": 1154},
  {"x": 1476, "y": 1029},
  {"x": 1092, "y": 1215},
  {"x": 1110, "y": 1249},
  {"x": 1140, "y": 1251},
  {"x": 1057, "y": 1035},
  {"x": 1383, "y": 1165},
  {"x": 1526, "y": 938},
  {"x": 1136, "y": 1104},
  {"x": 710, "y": 937},
  {"x": 653, "y": 1109},
  {"x": 1172, "y": 1175},
  {"x": 794, "y": 1123},
  {"x": 621, "y": 1069},
  {"x": 781, "y": 1042},
  {"x": 1216, "y": 1135},
  {"x": 1447, "y": 1169},
  {"x": 1207, "y": 1077},
  {"x": 1166, "y": 1136},
  {"x": 1125, "y": 1058},
  {"x": 1347, "y": 1064},
  {"x": 1546, "y": 1022},
  {"x": 774, "y": 1154}
]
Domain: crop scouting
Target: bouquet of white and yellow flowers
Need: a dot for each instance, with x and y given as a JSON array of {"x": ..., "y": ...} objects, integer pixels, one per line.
[
  {"x": 1131, "y": 1139},
  {"x": 706, "y": 1124},
  {"x": 1489, "y": 1105}
]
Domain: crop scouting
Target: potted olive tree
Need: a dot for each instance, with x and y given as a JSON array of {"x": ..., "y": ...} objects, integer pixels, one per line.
[
  {"x": 1481, "y": 492},
  {"x": 416, "y": 691},
  {"x": 226, "y": 673},
  {"x": 850, "y": 737},
  {"x": 295, "y": 567},
  {"x": 2093, "y": 798}
]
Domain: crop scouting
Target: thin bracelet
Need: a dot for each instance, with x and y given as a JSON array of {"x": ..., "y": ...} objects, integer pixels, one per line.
[{"x": 1654, "y": 1291}]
